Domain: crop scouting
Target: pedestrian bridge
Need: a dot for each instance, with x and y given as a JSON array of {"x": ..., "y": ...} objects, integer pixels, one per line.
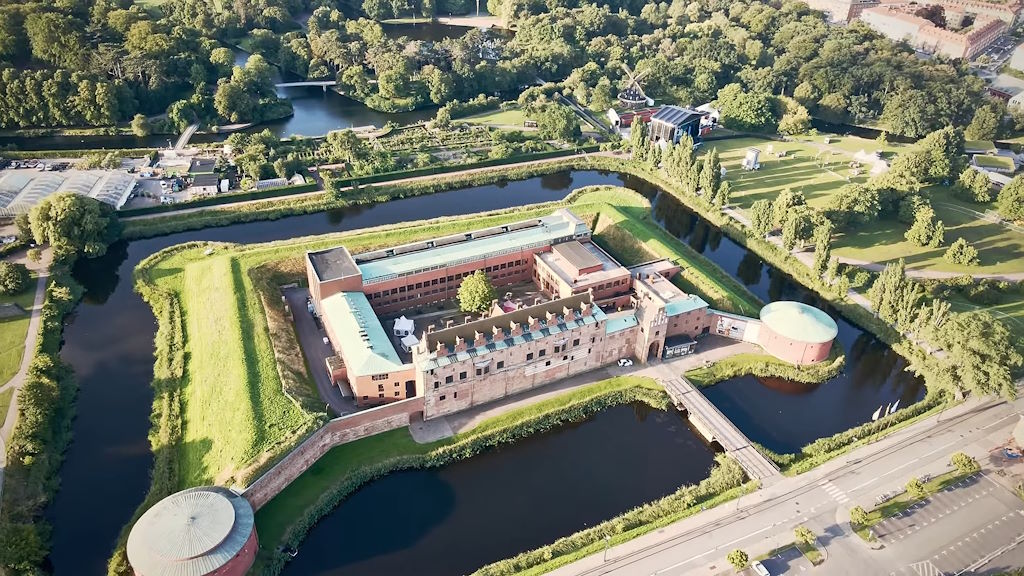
[
  {"x": 322, "y": 83},
  {"x": 715, "y": 427}
]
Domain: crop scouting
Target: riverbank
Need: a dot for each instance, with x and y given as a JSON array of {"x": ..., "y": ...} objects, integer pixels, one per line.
[{"x": 767, "y": 366}]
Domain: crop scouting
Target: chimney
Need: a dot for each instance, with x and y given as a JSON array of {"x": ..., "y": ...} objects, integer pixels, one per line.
[
  {"x": 479, "y": 340},
  {"x": 515, "y": 329},
  {"x": 467, "y": 320},
  {"x": 532, "y": 322},
  {"x": 431, "y": 328},
  {"x": 449, "y": 323},
  {"x": 460, "y": 344},
  {"x": 568, "y": 313},
  {"x": 499, "y": 334},
  {"x": 441, "y": 350},
  {"x": 537, "y": 300},
  {"x": 494, "y": 303},
  {"x": 586, "y": 308},
  {"x": 552, "y": 318}
]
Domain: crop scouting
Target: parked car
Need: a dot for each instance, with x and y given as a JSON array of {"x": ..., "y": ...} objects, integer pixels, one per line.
[
  {"x": 759, "y": 569},
  {"x": 625, "y": 362}
]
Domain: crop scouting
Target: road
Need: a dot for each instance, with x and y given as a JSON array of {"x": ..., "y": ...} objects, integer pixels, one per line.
[
  {"x": 819, "y": 499},
  {"x": 311, "y": 337},
  {"x": 185, "y": 137}
]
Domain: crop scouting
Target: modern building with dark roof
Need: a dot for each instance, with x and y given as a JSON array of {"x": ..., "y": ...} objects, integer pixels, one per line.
[
  {"x": 205, "y": 531},
  {"x": 670, "y": 123},
  {"x": 592, "y": 312}
]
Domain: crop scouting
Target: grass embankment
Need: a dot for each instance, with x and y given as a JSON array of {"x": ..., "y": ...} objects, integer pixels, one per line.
[
  {"x": 766, "y": 366},
  {"x": 288, "y": 517},
  {"x": 904, "y": 501},
  {"x": 39, "y": 438},
  {"x": 512, "y": 116},
  {"x": 5, "y": 404},
  {"x": 13, "y": 331}
]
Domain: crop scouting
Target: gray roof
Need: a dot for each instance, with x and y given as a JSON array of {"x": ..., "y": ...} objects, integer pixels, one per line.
[
  {"x": 576, "y": 254},
  {"x": 205, "y": 180},
  {"x": 190, "y": 533},
  {"x": 676, "y": 116},
  {"x": 333, "y": 263},
  {"x": 201, "y": 165}
]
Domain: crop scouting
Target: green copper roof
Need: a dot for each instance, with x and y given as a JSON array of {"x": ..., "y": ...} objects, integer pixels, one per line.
[
  {"x": 684, "y": 305},
  {"x": 620, "y": 323},
  {"x": 364, "y": 344},
  {"x": 800, "y": 322}
]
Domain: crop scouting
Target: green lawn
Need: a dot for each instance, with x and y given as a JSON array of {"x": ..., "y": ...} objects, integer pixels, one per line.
[
  {"x": 511, "y": 117},
  {"x": 1000, "y": 250},
  {"x": 904, "y": 501},
  {"x": 988, "y": 161},
  {"x": 5, "y": 404},
  {"x": 13, "y": 332}
]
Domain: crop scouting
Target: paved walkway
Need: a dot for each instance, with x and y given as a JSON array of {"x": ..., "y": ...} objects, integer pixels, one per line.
[{"x": 316, "y": 352}]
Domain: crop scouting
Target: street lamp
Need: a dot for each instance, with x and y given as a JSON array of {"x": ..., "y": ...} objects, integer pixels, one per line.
[{"x": 607, "y": 542}]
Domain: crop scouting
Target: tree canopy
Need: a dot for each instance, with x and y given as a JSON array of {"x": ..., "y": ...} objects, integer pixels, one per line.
[
  {"x": 73, "y": 224},
  {"x": 476, "y": 293}
]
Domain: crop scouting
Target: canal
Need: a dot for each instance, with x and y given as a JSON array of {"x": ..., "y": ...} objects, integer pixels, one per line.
[
  {"x": 513, "y": 498},
  {"x": 109, "y": 343}
]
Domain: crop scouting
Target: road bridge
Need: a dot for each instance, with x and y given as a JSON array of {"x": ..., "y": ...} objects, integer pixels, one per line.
[
  {"x": 714, "y": 426},
  {"x": 321, "y": 83}
]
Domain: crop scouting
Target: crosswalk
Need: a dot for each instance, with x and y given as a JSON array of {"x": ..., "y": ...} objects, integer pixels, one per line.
[
  {"x": 926, "y": 568},
  {"x": 834, "y": 492}
]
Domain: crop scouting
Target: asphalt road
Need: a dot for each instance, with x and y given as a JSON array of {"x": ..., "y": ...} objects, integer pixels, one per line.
[
  {"x": 311, "y": 339},
  {"x": 820, "y": 500}
]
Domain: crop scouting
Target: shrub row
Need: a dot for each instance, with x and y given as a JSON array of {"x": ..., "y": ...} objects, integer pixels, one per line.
[
  {"x": 479, "y": 104},
  {"x": 222, "y": 199},
  {"x": 36, "y": 154},
  {"x": 11, "y": 248},
  {"x": 42, "y": 433},
  {"x": 463, "y": 447}
]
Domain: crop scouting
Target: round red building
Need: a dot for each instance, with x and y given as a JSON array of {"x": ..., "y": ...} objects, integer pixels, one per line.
[
  {"x": 796, "y": 332},
  {"x": 205, "y": 531}
]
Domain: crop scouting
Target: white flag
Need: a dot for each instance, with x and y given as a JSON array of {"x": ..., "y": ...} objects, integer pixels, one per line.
[
  {"x": 875, "y": 415},
  {"x": 895, "y": 404}
]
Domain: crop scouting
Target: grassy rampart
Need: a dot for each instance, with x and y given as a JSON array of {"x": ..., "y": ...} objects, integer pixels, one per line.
[{"x": 766, "y": 366}]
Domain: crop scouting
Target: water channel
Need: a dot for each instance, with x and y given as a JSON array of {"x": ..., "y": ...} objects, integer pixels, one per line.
[{"x": 108, "y": 342}]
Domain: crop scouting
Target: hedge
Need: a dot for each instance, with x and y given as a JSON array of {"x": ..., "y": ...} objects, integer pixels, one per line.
[
  {"x": 40, "y": 437},
  {"x": 223, "y": 199},
  {"x": 36, "y": 154}
]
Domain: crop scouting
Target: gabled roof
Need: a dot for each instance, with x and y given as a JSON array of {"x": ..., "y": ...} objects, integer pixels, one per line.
[
  {"x": 364, "y": 345},
  {"x": 676, "y": 115}
]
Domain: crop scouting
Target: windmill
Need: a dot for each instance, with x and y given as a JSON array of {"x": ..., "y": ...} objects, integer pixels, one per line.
[{"x": 633, "y": 95}]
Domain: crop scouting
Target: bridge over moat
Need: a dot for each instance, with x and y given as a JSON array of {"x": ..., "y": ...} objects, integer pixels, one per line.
[{"x": 714, "y": 426}]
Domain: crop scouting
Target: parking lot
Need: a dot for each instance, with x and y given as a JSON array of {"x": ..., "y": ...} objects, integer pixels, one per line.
[
  {"x": 788, "y": 561},
  {"x": 954, "y": 529},
  {"x": 998, "y": 51}
]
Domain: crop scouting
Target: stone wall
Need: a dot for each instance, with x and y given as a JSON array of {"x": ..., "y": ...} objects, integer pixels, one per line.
[{"x": 334, "y": 433}]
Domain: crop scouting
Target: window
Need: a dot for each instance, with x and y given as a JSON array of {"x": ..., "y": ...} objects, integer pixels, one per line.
[
  {"x": 501, "y": 364},
  {"x": 436, "y": 385},
  {"x": 542, "y": 353},
  {"x": 576, "y": 342},
  {"x": 380, "y": 387},
  {"x": 529, "y": 356},
  {"x": 462, "y": 375},
  {"x": 566, "y": 357},
  {"x": 381, "y": 395},
  {"x": 396, "y": 384},
  {"x": 448, "y": 379},
  {"x": 396, "y": 392},
  {"x": 441, "y": 397},
  {"x": 401, "y": 288},
  {"x": 455, "y": 394},
  {"x": 366, "y": 397},
  {"x": 419, "y": 285},
  {"x": 548, "y": 363},
  {"x": 379, "y": 377},
  {"x": 433, "y": 282}
]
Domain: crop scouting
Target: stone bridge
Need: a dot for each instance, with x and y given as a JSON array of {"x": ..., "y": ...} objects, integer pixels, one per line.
[{"x": 715, "y": 427}]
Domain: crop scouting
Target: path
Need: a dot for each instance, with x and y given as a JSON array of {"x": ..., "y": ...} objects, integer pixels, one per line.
[
  {"x": 316, "y": 352},
  {"x": 375, "y": 184},
  {"x": 808, "y": 258},
  {"x": 185, "y": 137},
  {"x": 18, "y": 380}
]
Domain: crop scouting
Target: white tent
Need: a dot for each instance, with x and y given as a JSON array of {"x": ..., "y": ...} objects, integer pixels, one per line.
[
  {"x": 404, "y": 326},
  {"x": 408, "y": 342}
]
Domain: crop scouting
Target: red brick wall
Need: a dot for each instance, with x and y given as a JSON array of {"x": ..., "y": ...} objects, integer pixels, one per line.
[
  {"x": 242, "y": 561},
  {"x": 792, "y": 351}
]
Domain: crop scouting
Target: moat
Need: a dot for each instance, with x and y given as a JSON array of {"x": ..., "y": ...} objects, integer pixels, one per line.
[{"x": 106, "y": 473}]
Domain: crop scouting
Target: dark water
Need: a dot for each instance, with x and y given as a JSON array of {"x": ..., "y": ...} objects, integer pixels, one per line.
[
  {"x": 425, "y": 31},
  {"x": 782, "y": 415},
  {"x": 457, "y": 518},
  {"x": 109, "y": 343}
]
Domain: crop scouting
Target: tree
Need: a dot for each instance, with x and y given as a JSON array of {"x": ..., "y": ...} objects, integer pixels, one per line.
[
  {"x": 14, "y": 277},
  {"x": 798, "y": 227},
  {"x": 233, "y": 102},
  {"x": 346, "y": 145},
  {"x": 74, "y": 224},
  {"x": 894, "y": 297},
  {"x": 784, "y": 203},
  {"x": 822, "y": 246},
  {"x": 944, "y": 153},
  {"x": 762, "y": 219},
  {"x": 962, "y": 253},
  {"x": 638, "y": 139},
  {"x": 443, "y": 119},
  {"x": 1011, "y": 199},
  {"x": 557, "y": 122},
  {"x": 476, "y": 293},
  {"x": 24, "y": 227},
  {"x": 140, "y": 126},
  {"x": 973, "y": 186},
  {"x": 742, "y": 110},
  {"x": 980, "y": 354},
  {"x": 804, "y": 535},
  {"x": 908, "y": 112},
  {"x": 984, "y": 125},
  {"x": 739, "y": 559},
  {"x": 964, "y": 464},
  {"x": 222, "y": 59},
  {"x": 710, "y": 175},
  {"x": 853, "y": 204},
  {"x": 925, "y": 230},
  {"x": 722, "y": 198},
  {"x": 439, "y": 84},
  {"x": 916, "y": 489},
  {"x": 858, "y": 516}
]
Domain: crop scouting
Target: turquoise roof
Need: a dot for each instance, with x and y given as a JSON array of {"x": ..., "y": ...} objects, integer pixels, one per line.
[
  {"x": 684, "y": 305},
  {"x": 553, "y": 228},
  {"x": 799, "y": 322},
  {"x": 619, "y": 324},
  {"x": 365, "y": 346}
]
